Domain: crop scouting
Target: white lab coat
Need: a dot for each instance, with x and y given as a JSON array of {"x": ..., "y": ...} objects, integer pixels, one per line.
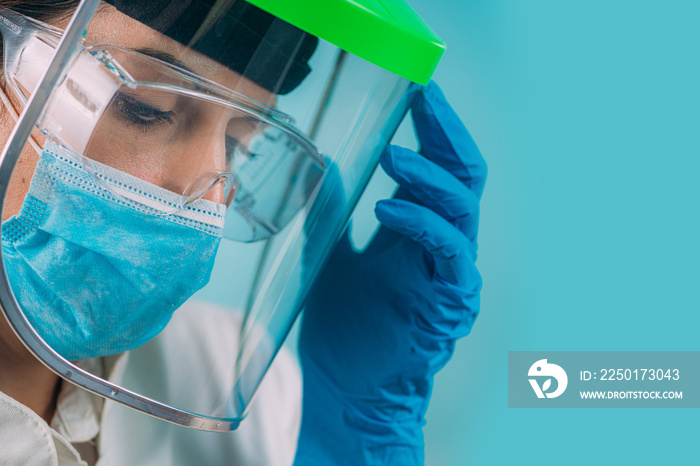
[{"x": 267, "y": 436}]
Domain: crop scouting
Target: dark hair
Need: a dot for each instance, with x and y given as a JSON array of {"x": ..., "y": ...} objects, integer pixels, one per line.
[
  {"x": 235, "y": 37},
  {"x": 282, "y": 68},
  {"x": 43, "y": 10}
]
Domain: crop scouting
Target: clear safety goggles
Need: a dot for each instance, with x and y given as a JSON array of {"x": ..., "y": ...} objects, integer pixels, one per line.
[{"x": 156, "y": 120}]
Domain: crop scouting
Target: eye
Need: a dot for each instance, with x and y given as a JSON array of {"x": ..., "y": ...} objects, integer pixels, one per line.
[
  {"x": 143, "y": 115},
  {"x": 236, "y": 151},
  {"x": 231, "y": 145},
  {"x": 241, "y": 134}
]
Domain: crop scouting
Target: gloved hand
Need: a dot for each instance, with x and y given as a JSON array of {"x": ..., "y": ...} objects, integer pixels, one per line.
[{"x": 378, "y": 325}]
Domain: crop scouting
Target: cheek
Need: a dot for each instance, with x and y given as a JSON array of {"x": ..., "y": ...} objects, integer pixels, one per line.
[{"x": 19, "y": 183}]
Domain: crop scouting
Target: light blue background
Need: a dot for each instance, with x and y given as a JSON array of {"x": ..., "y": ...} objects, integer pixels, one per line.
[{"x": 588, "y": 116}]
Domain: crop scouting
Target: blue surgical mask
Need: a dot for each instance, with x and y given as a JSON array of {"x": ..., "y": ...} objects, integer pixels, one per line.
[{"x": 98, "y": 272}]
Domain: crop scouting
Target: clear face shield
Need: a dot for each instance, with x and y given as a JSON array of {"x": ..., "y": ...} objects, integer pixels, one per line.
[{"x": 198, "y": 162}]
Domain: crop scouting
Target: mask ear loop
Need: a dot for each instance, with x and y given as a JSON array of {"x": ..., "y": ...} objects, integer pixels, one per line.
[{"x": 10, "y": 108}]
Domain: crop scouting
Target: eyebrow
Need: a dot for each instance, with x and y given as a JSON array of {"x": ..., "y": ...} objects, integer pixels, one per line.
[
  {"x": 163, "y": 56},
  {"x": 170, "y": 59}
]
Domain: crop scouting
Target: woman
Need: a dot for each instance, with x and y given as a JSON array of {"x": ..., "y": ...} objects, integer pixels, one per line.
[{"x": 397, "y": 307}]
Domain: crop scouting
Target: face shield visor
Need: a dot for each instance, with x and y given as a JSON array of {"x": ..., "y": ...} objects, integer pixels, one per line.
[{"x": 199, "y": 161}]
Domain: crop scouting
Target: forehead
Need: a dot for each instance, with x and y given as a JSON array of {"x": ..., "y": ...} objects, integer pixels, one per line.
[{"x": 110, "y": 26}]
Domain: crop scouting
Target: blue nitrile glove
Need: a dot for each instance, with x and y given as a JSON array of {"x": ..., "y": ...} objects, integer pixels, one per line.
[{"x": 378, "y": 325}]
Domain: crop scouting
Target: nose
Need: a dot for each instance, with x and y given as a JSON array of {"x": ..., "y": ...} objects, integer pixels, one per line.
[{"x": 198, "y": 158}]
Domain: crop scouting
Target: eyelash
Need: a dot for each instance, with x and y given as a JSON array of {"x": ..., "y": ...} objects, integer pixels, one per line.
[
  {"x": 148, "y": 118},
  {"x": 138, "y": 113}
]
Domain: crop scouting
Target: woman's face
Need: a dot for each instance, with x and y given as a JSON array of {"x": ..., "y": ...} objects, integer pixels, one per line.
[{"x": 160, "y": 147}]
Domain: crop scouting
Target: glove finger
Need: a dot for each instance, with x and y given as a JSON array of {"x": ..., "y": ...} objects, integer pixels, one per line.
[
  {"x": 434, "y": 187},
  {"x": 453, "y": 253},
  {"x": 445, "y": 140},
  {"x": 385, "y": 237}
]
